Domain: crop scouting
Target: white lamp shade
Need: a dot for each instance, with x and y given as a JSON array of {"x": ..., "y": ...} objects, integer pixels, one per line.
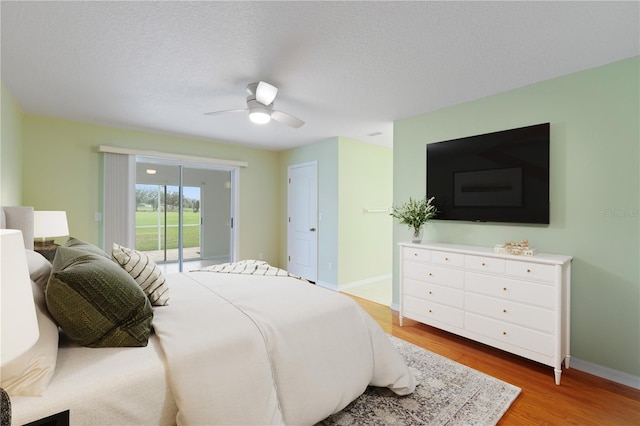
[
  {"x": 19, "y": 323},
  {"x": 50, "y": 224}
]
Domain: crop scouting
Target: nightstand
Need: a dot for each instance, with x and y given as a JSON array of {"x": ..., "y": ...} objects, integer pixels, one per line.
[{"x": 60, "y": 419}]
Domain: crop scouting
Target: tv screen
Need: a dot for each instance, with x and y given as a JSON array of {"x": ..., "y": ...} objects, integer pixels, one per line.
[{"x": 495, "y": 177}]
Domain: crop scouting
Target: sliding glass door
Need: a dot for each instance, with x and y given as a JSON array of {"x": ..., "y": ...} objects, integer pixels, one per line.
[
  {"x": 184, "y": 214},
  {"x": 158, "y": 221}
]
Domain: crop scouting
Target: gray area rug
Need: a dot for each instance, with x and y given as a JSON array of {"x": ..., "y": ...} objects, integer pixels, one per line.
[{"x": 448, "y": 393}]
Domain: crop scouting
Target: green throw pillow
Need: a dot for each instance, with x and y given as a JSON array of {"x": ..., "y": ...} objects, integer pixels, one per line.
[
  {"x": 79, "y": 244},
  {"x": 96, "y": 302}
]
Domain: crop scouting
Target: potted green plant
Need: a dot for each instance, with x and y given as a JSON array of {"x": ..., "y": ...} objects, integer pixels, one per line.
[{"x": 415, "y": 214}]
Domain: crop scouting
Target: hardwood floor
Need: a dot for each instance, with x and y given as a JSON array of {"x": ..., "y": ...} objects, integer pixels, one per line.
[{"x": 581, "y": 399}]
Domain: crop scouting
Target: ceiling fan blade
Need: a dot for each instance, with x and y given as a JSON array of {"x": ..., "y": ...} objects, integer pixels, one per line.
[
  {"x": 287, "y": 119},
  {"x": 226, "y": 111},
  {"x": 265, "y": 93}
]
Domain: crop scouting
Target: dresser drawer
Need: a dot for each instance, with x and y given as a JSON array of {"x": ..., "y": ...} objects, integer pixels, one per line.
[
  {"x": 433, "y": 293},
  {"x": 416, "y": 254},
  {"x": 527, "y": 316},
  {"x": 433, "y": 274},
  {"x": 484, "y": 264},
  {"x": 531, "y": 340},
  {"x": 531, "y": 271},
  {"x": 424, "y": 311},
  {"x": 446, "y": 258},
  {"x": 529, "y": 293}
]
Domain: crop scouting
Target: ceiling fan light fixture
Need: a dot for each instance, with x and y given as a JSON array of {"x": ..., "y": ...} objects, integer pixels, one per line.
[
  {"x": 259, "y": 117},
  {"x": 258, "y": 113}
]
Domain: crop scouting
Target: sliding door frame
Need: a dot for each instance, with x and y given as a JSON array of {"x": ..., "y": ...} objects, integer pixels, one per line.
[{"x": 119, "y": 191}]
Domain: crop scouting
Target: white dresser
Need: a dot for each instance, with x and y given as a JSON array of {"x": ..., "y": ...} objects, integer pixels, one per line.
[{"x": 519, "y": 304}]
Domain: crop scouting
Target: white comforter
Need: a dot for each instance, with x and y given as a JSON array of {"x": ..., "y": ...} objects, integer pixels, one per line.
[{"x": 244, "y": 349}]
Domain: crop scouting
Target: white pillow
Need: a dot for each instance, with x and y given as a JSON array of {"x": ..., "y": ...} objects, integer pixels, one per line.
[
  {"x": 145, "y": 272},
  {"x": 31, "y": 372},
  {"x": 39, "y": 268}
]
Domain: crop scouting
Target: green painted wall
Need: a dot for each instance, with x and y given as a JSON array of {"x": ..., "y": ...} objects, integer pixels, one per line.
[
  {"x": 595, "y": 190},
  {"x": 365, "y": 239},
  {"x": 10, "y": 150},
  {"x": 63, "y": 171}
]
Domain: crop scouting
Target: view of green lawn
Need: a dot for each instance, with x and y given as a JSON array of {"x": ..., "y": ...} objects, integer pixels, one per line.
[{"x": 151, "y": 223}]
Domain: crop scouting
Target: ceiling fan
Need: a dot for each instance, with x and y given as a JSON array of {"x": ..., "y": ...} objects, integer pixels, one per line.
[{"x": 260, "y": 106}]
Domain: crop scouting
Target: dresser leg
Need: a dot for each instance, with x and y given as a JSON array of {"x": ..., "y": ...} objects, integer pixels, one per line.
[
  {"x": 566, "y": 361},
  {"x": 400, "y": 318},
  {"x": 558, "y": 372}
]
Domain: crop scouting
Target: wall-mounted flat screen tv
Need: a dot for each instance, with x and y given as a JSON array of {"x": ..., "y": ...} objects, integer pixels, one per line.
[{"x": 495, "y": 177}]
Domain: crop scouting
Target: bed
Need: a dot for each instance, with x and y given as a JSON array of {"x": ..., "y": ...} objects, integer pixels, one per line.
[{"x": 245, "y": 345}]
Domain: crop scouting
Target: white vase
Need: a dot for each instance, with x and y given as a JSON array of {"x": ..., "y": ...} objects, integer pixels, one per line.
[{"x": 417, "y": 235}]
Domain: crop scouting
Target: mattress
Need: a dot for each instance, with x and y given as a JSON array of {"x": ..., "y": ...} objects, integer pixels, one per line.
[{"x": 104, "y": 386}]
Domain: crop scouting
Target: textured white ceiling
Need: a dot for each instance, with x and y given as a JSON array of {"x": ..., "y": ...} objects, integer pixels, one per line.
[{"x": 347, "y": 68}]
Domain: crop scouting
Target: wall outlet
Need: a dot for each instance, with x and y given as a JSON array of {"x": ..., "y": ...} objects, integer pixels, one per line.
[{"x": 98, "y": 217}]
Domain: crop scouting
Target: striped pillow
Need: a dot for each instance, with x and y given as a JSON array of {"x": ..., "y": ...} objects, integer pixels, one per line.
[{"x": 145, "y": 272}]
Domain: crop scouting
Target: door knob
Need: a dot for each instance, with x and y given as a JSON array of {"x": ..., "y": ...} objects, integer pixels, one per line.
[{"x": 312, "y": 229}]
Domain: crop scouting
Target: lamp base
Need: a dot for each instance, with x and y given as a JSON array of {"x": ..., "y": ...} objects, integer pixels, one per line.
[
  {"x": 44, "y": 245},
  {"x": 46, "y": 248}
]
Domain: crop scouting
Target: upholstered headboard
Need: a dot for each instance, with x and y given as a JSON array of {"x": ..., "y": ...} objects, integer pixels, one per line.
[{"x": 19, "y": 218}]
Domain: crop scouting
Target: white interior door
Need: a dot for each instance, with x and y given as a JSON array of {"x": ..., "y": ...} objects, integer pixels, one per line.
[{"x": 302, "y": 229}]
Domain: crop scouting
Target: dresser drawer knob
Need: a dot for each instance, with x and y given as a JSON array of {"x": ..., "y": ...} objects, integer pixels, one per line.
[
  {"x": 483, "y": 264},
  {"x": 430, "y": 274},
  {"x": 429, "y": 310},
  {"x": 430, "y": 293},
  {"x": 446, "y": 259},
  {"x": 504, "y": 311},
  {"x": 415, "y": 254},
  {"x": 528, "y": 270},
  {"x": 504, "y": 289},
  {"x": 504, "y": 333}
]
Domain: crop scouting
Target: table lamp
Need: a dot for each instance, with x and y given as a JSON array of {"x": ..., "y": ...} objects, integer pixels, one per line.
[
  {"x": 48, "y": 225},
  {"x": 19, "y": 323}
]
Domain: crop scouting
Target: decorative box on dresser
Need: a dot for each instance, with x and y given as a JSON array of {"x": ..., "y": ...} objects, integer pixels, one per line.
[{"x": 519, "y": 304}]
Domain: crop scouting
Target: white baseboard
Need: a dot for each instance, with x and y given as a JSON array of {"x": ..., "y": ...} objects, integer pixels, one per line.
[
  {"x": 327, "y": 285},
  {"x": 366, "y": 281},
  {"x": 606, "y": 373}
]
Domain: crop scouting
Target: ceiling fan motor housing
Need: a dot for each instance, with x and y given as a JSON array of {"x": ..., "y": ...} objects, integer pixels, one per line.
[
  {"x": 251, "y": 89},
  {"x": 254, "y": 105}
]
